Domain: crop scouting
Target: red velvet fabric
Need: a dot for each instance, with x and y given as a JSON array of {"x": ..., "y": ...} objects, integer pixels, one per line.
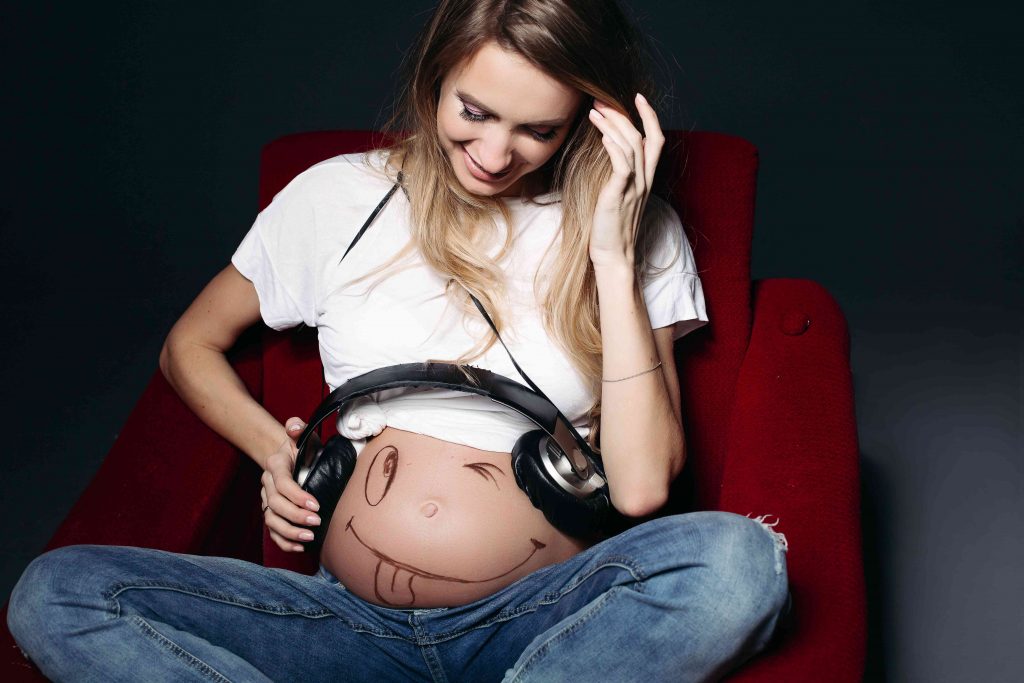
[{"x": 767, "y": 405}]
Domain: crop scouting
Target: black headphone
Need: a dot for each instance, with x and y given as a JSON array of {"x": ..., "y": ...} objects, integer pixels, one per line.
[{"x": 553, "y": 465}]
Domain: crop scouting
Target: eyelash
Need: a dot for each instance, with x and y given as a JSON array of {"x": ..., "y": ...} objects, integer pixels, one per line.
[
  {"x": 481, "y": 469},
  {"x": 540, "y": 137}
]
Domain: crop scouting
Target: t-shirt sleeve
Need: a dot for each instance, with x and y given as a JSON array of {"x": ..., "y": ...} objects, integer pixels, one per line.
[
  {"x": 672, "y": 290},
  {"x": 278, "y": 256}
]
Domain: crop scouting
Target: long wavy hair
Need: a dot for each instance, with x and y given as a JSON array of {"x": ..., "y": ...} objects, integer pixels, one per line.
[{"x": 589, "y": 45}]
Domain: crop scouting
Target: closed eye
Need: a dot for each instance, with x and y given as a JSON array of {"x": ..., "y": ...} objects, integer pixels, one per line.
[
  {"x": 481, "y": 469},
  {"x": 470, "y": 115}
]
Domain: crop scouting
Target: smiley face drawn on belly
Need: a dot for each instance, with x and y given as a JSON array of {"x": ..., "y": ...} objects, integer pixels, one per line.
[
  {"x": 396, "y": 577},
  {"x": 393, "y": 578}
]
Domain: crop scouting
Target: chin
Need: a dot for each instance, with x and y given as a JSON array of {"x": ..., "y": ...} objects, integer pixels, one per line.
[
  {"x": 471, "y": 184},
  {"x": 481, "y": 188}
]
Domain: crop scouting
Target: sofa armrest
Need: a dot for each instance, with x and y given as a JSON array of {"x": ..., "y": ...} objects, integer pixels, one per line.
[
  {"x": 162, "y": 483},
  {"x": 793, "y": 454}
]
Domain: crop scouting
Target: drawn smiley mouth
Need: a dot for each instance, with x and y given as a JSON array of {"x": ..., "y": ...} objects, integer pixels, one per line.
[{"x": 395, "y": 578}]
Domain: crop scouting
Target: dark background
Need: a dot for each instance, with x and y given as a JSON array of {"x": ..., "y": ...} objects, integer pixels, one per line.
[{"x": 890, "y": 138}]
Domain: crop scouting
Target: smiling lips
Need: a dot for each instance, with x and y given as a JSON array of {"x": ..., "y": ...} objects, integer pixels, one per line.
[{"x": 395, "y": 578}]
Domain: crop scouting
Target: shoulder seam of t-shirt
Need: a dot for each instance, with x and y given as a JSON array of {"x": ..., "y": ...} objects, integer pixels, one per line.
[
  {"x": 331, "y": 163},
  {"x": 355, "y": 160},
  {"x": 351, "y": 160}
]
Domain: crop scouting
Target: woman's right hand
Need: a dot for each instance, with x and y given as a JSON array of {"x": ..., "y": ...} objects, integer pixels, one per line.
[{"x": 286, "y": 504}]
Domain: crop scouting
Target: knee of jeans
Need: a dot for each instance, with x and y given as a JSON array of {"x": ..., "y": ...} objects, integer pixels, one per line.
[
  {"x": 747, "y": 557},
  {"x": 40, "y": 587}
]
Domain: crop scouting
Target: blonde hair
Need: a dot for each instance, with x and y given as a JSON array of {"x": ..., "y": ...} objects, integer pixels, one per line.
[{"x": 588, "y": 45}]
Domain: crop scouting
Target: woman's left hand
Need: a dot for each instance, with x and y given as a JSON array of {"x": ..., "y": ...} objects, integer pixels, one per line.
[{"x": 621, "y": 202}]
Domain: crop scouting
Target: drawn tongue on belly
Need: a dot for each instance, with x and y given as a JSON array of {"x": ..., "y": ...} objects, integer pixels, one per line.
[{"x": 393, "y": 584}]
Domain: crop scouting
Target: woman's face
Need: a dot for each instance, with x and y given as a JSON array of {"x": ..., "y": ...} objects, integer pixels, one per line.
[{"x": 500, "y": 118}]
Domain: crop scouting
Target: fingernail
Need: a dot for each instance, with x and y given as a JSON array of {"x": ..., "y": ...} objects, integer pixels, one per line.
[
  {"x": 295, "y": 428},
  {"x": 312, "y": 505},
  {"x": 306, "y": 535},
  {"x": 312, "y": 519},
  {"x": 641, "y": 97}
]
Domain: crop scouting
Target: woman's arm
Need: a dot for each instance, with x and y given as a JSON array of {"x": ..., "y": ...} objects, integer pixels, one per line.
[
  {"x": 642, "y": 443},
  {"x": 194, "y": 363},
  {"x": 642, "y": 440}
]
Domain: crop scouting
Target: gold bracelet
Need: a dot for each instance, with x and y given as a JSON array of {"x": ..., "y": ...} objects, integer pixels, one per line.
[{"x": 632, "y": 376}]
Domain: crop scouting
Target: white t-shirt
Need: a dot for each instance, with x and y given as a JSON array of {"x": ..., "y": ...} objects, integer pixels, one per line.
[{"x": 291, "y": 254}]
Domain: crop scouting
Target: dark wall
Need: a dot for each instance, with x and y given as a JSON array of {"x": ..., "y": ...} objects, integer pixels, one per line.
[{"x": 891, "y": 172}]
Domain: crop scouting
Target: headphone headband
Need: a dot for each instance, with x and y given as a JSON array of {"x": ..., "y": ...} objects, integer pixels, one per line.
[{"x": 584, "y": 464}]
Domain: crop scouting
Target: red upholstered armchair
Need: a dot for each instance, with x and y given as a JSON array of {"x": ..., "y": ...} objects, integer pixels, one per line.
[{"x": 767, "y": 407}]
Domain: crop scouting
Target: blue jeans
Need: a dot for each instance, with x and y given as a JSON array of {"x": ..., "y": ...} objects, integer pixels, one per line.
[{"x": 680, "y": 598}]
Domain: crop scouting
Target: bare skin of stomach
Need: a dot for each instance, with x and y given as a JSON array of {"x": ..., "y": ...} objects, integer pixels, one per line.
[{"x": 428, "y": 523}]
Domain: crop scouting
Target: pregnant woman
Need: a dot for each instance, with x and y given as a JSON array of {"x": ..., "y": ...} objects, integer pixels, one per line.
[{"x": 528, "y": 152}]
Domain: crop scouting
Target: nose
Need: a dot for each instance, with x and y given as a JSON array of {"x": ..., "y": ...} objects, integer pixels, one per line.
[{"x": 494, "y": 153}]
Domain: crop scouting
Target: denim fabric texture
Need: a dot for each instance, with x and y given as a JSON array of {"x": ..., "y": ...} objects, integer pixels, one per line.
[{"x": 684, "y": 597}]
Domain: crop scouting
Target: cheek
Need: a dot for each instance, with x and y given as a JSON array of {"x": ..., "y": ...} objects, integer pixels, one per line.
[
  {"x": 454, "y": 128},
  {"x": 540, "y": 153}
]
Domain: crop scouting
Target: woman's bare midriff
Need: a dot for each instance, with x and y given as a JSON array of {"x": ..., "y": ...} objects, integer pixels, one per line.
[{"x": 428, "y": 523}]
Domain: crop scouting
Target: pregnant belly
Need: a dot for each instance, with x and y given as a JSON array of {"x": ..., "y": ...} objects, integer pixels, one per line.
[{"x": 428, "y": 523}]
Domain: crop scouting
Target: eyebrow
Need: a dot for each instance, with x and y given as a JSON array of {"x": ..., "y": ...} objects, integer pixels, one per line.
[{"x": 554, "y": 123}]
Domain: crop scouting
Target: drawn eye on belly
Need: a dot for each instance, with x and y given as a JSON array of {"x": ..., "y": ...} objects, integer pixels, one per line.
[
  {"x": 381, "y": 475},
  {"x": 481, "y": 469}
]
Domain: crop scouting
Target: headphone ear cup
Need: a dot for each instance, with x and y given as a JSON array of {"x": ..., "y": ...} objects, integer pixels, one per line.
[
  {"x": 579, "y": 517},
  {"x": 327, "y": 480}
]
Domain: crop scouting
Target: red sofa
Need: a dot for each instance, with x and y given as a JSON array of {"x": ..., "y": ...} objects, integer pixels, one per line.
[{"x": 767, "y": 405}]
